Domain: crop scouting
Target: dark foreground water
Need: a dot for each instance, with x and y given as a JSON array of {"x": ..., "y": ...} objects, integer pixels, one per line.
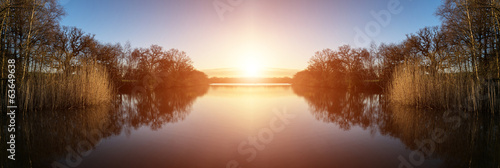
[{"x": 253, "y": 126}]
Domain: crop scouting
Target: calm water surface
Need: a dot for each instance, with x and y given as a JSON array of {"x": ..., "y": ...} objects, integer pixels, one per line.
[{"x": 259, "y": 126}]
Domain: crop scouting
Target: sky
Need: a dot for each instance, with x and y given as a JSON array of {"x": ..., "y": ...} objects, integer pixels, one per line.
[{"x": 255, "y": 36}]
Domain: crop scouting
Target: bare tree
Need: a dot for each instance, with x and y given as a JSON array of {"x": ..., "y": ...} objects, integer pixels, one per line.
[
  {"x": 431, "y": 46},
  {"x": 69, "y": 46}
]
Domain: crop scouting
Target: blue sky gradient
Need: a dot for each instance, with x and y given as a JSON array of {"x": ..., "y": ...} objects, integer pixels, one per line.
[{"x": 277, "y": 33}]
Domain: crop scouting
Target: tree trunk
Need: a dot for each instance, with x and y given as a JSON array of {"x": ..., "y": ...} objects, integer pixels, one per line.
[
  {"x": 496, "y": 43},
  {"x": 472, "y": 40},
  {"x": 28, "y": 41},
  {"x": 2, "y": 49}
]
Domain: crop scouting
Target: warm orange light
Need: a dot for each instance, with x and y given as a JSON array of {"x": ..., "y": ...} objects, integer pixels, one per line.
[{"x": 251, "y": 65}]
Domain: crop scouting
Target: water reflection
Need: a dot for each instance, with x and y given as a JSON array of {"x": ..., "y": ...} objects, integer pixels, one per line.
[
  {"x": 466, "y": 141},
  {"x": 204, "y": 127},
  {"x": 155, "y": 109},
  {"x": 344, "y": 108},
  {"x": 49, "y": 136},
  {"x": 62, "y": 138}
]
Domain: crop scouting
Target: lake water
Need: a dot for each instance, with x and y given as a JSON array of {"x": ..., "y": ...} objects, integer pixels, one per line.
[{"x": 258, "y": 126}]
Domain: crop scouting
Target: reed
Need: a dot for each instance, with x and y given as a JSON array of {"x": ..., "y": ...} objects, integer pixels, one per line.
[
  {"x": 412, "y": 85},
  {"x": 87, "y": 85}
]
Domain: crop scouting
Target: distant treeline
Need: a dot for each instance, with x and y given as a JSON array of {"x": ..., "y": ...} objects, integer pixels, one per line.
[
  {"x": 343, "y": 68},
  {"x": 251, "y": 80},
  {"x": 64, "y": 67},
  {"x": 452, "y": 65}
]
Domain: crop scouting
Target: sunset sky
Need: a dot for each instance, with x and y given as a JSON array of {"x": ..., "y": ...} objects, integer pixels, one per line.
[{"x": 257, "y": 37}]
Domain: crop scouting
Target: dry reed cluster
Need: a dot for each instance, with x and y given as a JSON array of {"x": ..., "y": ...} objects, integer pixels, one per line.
[
  {"x": 87, "y": 85},
  {"x": 413, "y": 86}
]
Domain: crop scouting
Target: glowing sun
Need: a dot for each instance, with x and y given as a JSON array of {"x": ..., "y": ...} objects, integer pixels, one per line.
[
  {"x": 251, "y": 67},
  {"x": 251, "y": 64},
  {"x": 251, "y": 70}
]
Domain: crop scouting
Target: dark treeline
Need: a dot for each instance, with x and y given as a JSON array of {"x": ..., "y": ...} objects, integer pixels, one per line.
[
  {"x": 342, "y": 68},
  {"x": 62, "y": 67},
  {"x": 155, "y": 67},
  {"x": 455, "y": 64}
]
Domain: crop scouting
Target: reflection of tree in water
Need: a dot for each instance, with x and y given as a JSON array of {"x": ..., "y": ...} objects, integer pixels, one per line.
[
  {"x": 472, "y": 141},
  {"x": 469, "y": 142},
  {"x": 46, "y": 136},
  {"x": 344, "y": 108},
  {"x": 155, "y": 109}
]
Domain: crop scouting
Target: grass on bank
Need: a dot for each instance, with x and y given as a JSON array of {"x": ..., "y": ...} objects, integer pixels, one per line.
[
  {"x": 87, "y": 85},
  {"x": 412, "y": 85}
]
